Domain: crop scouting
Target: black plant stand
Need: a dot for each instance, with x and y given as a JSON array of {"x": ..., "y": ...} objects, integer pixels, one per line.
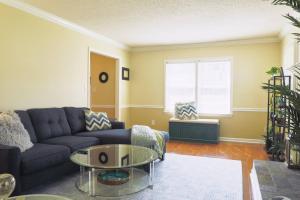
[{"x": 278, "y": 120}]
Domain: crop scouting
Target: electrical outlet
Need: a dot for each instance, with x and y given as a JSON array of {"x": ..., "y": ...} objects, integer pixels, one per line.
[{"x": 153, "y": 122}]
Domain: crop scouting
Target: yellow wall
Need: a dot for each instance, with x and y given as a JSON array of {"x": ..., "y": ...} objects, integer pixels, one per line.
[
  {"x": 43, "y": 64},
  {"x": 250, "y": 62},
  {"x": 103, "y": 94}
]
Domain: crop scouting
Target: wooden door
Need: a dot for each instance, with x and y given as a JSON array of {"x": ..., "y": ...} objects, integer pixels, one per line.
[{"x": 103, "y": 94}]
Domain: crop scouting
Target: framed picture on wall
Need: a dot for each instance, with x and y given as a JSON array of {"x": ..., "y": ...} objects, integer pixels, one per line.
[{"x": 125, "y": 73}]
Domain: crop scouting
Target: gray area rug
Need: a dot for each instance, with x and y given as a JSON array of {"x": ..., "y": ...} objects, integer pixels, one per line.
[{"x": 179, "y": 177}]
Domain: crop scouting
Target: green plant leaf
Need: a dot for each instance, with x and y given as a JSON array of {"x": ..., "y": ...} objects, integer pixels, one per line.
[{"x": 295, "y": 4}]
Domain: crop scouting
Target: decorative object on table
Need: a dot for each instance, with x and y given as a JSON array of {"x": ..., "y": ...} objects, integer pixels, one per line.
[
  {"x": 96, "y": 120},
  {"x": 186, "y": 111},
  {"x": 291, "y": 137},
  {"x": 12, "y": 131},
  {"x": 103, "y": 77},
  {"x": 7, "y": 185},
  {"x": 125, "y": 73},
  {"x": 113, "y": 177}
]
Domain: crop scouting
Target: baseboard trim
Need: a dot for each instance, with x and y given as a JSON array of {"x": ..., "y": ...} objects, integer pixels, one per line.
[{"x": 242, "y": 140}]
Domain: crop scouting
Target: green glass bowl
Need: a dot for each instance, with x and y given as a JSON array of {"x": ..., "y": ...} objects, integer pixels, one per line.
[{"x": 113, "y": 177}]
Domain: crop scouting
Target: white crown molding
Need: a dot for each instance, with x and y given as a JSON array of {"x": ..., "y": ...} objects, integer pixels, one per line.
[
  {"x": 103, "y": 106},
  {"x": 265, "y": 40},
  {"x": 72, "y": 26},
  {"x": 62, "y": 22},
  {"x": 162, "y": 107},
  {"x": 242, "y": 140}
]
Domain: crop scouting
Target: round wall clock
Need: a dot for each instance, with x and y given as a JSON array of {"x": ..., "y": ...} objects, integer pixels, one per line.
[{"x": 103, "y": 77}]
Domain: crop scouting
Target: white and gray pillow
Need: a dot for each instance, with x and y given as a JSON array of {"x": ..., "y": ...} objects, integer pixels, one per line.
[
  {"x": 186, "y": 111},
  {"x": 96, "y": 121},
  {"x": 12, "y": 131}
]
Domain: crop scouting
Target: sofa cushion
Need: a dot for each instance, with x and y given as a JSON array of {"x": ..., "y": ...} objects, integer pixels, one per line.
[
  {"x": 42, "y": 156},
  {"x": 114, "y": 136},
  {"x": 26, "y": 121},
  {"x": 76, "y": 119},
  {"x": 73, "y": 142},
  {"x": 49, "y": 123},
  {"x": 95, "y": 121}
]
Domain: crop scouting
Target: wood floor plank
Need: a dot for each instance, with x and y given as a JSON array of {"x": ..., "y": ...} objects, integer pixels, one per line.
[{"x": 227, "y": 150}]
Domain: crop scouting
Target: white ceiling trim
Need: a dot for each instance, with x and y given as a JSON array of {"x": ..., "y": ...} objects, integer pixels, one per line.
[
  {"x": 62, "y": 22},
  {"x": 208, "y": 44}
]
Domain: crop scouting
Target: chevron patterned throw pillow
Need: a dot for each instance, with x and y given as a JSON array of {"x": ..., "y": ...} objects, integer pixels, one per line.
[
  {"x": 96, "y": 121},
  {"x": 186, "y": 111}
]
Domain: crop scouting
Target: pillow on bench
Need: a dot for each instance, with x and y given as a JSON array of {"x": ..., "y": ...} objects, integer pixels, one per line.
[{"x": 186, "y": 111}]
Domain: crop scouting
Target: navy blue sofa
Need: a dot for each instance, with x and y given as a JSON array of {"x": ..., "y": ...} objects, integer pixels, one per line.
[{"x": 56, "y": 133}]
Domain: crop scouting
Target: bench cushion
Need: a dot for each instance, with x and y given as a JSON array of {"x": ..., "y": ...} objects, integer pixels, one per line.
[
  {"x": 49, "y": 123},
  {"x": 42, "y": 156},
  {"x": 73, "y": 142},
  {"x": 199, "y": 121}
]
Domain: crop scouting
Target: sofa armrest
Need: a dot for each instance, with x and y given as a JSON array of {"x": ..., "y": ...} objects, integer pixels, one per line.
[
  {"x": 117, "y": 125},
  {"x": 10, "y": 159}
]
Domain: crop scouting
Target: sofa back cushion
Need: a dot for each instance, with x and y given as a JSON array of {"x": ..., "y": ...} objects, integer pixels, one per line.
[
  {"x": 76, "y": 119},
  {"x": 26, "y": 121},
  {"x": 49, "y": 122}
]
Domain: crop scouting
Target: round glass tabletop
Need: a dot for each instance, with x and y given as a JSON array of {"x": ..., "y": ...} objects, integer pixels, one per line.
[
  {"x": 114, "y": 156},
  {"x": 38, "y": 197}
]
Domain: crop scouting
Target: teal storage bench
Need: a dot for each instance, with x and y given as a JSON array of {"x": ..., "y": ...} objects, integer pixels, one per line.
[{"x": 201, "y": 130}]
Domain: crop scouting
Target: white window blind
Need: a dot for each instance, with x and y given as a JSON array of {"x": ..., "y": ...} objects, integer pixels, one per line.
[
  {"x": 180, "y": 84},
  {"x": 208, "y": 83}
]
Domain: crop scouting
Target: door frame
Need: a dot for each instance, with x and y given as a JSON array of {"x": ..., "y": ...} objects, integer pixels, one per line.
[{"x": 117, "y": 86}]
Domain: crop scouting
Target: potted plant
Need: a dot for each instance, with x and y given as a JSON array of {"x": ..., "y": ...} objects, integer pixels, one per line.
[
  {"x": 292, "y": 98},
  {"x": 273, "y": 71}
]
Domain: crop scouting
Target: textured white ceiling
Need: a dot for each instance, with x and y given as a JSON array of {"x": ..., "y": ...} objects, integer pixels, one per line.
[{"x": 161, "y": 22}]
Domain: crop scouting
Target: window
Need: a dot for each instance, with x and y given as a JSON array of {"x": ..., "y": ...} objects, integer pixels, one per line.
[{"x": 208, "y": 83}]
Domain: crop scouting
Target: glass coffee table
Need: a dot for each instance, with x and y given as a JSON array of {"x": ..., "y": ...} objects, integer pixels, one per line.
[{"x": 114, "y": 170}]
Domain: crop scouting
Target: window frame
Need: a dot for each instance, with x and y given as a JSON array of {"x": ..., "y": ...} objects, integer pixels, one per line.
[{"x": 196, "y": 61}]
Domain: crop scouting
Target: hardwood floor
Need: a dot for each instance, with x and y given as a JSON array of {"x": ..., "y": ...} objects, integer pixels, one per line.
[{"x": 228, "y": 150}]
